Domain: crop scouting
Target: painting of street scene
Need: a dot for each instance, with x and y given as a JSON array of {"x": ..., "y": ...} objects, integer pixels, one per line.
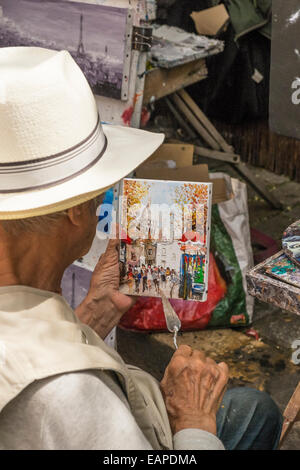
[
  {"x": 165, "y": 246},
  {"x": 95, "y": 36}
]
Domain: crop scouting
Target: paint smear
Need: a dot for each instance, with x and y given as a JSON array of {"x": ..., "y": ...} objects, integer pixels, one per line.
[
  {"x": 127, "y": 115},
  {"x": 293, "y": 18}
]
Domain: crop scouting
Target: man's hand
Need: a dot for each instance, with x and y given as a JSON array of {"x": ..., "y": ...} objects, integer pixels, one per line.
[
  {"x": 104, "y": 305},
  {"x": 193, "y": 387}
]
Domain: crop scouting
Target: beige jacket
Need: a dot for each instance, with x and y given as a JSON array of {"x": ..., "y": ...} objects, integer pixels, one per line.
[{"x": 40, "y": 336}]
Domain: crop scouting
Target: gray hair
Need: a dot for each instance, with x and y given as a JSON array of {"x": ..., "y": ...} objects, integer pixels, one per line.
[{"x": 42, "y": 223}]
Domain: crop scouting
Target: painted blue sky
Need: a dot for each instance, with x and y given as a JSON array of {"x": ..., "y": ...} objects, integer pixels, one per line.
[{"x": 160, "y": 192}]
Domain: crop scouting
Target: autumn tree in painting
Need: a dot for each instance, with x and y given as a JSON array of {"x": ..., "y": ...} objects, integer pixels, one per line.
[
  {"x": 193, "y": 200},
  {"x": 134, "y": 193}
]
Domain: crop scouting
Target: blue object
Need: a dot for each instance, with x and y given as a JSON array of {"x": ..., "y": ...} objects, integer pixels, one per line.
[
  {"x": 248, "y": 420},
  {"x": 105, "y": 215}
]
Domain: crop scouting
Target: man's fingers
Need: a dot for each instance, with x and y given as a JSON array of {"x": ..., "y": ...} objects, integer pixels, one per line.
[
  {"x": 179, "y": 360},
  {"x": 224, "y": 367},
  {"x": 111, "y": 249},
  {"x": 220, "y": 385},
  {"x": 183, "y": 350},
  {"x": 113, "y": 245},
  {"x": 123, "y": 302},
  {"x": 196, "y": 354}
]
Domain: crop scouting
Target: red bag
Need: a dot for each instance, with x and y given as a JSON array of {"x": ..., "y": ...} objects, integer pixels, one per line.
[{"x": 147, "y": 313}]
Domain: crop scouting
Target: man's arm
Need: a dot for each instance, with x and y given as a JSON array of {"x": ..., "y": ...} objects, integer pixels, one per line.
[
  {"x": 192, "y": 426},
  {"x": 81, "y": 411},
  {"x": 74, "y": 411}
]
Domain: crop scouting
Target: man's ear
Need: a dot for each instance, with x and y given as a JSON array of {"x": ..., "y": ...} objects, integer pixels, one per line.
[{"x": 77, "y": 214}]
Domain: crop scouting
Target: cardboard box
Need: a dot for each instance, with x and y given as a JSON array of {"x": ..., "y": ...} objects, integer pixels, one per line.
[
  {"x": 212, "y": 21},
  {"x": 182, "y": 154},
  {"x": 187, "y": 173}
]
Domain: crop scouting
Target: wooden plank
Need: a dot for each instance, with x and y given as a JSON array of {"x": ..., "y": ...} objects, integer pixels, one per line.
[
  {"x": 187, "y": 127},
  {"x": 240, "y": 167},
  {"x": 194, "y": 122},
  {"x": 223, "y": 156},
  {"x": 162, "y": 82},
  {"x": 193, "y": 113},
  {"x": 291, "y": 414},
  {"x": 205, "y": 121},
  {"x": 212, "y": 137},
  {"x": 139, "y": 89}
]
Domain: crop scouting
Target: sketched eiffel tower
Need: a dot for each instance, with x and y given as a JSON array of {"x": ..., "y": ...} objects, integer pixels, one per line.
[{"x": 80, "y": 48}]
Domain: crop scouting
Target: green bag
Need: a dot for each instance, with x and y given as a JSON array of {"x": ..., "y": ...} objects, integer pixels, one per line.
[{"x": 231, "y": 246}]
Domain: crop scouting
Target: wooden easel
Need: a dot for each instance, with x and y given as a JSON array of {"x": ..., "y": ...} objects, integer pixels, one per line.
[
  {"x": 169, "y": 84},
  {"x": 291, "y": 414},
  {"x": 196, "y": 124}
]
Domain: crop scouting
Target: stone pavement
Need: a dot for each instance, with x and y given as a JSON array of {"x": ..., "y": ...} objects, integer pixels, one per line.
[{"x": 265, "y": 364}]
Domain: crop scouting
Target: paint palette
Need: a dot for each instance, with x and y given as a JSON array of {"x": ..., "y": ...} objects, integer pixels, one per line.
[
  {"x": 291, "y": 242},
  {"x": 283, "y": 268},
  {"x": 273, "y": 288}
]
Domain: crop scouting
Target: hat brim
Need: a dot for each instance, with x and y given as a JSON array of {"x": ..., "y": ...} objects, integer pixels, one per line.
[{"x": 126, "y": 149}]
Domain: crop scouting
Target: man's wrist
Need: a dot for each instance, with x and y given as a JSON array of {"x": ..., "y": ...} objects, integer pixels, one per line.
[
  {"x": 96, "y": 313},
  {"x": 206, "y": 423},
  {"x": 85, "y": 311}
]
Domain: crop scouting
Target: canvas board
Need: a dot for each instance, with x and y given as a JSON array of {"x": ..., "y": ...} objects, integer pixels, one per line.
[
  {"x": 165, "y": 238},
  {"x": 126, "y": 112},
  {"x": 97, "y": 36}
]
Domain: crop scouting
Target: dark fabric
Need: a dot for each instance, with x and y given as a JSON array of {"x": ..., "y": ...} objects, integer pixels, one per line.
[
  {"x": 230, "y": 94},
  {"x": 179, "y": 13},
  {"x": 245, "y": 15},
  {"x": 249, "y": 420},
  {"x": 250, "y": 15}
]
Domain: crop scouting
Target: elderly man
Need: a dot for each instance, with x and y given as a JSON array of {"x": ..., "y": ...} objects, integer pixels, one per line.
[{"x": 61, "y": 386}]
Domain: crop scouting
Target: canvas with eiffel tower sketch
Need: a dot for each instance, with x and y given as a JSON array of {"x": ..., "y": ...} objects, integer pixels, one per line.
[
  {"x": 97, "y": 36},
  {"x": 165, "y": 232}
]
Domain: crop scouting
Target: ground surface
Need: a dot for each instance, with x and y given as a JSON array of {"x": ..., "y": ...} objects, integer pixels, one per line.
[{"x": 265, "y": 364}]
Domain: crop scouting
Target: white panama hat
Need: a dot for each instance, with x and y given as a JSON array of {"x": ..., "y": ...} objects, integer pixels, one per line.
[{"x": 54, "y": 151}]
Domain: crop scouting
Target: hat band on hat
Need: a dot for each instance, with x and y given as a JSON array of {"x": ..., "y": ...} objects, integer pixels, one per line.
[{"x": 55, "y": 169}]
